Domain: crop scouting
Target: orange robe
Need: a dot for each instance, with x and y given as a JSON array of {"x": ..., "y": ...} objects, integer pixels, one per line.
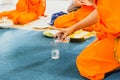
[
  {"x": 98, "y": 58},
  {"x": 71, "y": 18},
  {"x": 26, "y": 11}
]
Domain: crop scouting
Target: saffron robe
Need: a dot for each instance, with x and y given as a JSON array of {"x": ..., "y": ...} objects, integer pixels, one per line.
[
  {"x": 26, "y": 11},
  {"x": 98, "y": 58},
  {"x": 71, "y": 18}
]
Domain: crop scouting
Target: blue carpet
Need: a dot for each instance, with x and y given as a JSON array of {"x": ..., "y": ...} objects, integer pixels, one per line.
[{"x": 26, "y": 55}]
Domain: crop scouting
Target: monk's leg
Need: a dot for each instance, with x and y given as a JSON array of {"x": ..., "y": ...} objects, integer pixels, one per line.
[
  {"x": 65, "y": 20},
  {"x": 27, "y": 17},
  {"x": 97, "y": 59}
]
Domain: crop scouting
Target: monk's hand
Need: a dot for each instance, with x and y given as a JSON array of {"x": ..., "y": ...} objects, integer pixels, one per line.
[
  {"x": 59, "y": 35},
  {"x": 63, "y": 34}
]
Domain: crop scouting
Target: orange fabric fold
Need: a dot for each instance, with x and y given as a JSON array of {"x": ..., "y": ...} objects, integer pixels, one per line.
[
  {"x": 99, "y": 58},
  {"x": 26, "y": 11}
]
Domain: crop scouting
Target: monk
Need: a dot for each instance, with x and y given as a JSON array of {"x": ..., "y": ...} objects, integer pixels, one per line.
[
  {"x": 102, "y": 55},
  {"x": 26, "y": 11},
  {"x": 73, "y": 17}
]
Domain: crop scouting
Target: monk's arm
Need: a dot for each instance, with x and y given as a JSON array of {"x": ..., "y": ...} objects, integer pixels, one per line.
[{"x": 88, "y": 21}]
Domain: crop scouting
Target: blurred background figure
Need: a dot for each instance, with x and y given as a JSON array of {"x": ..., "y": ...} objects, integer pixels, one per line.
[{"x": 26, "y": 11}]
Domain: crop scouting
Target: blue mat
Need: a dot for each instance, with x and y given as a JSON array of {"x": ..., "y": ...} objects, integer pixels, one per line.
[{"x": 26, "y": 55}]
